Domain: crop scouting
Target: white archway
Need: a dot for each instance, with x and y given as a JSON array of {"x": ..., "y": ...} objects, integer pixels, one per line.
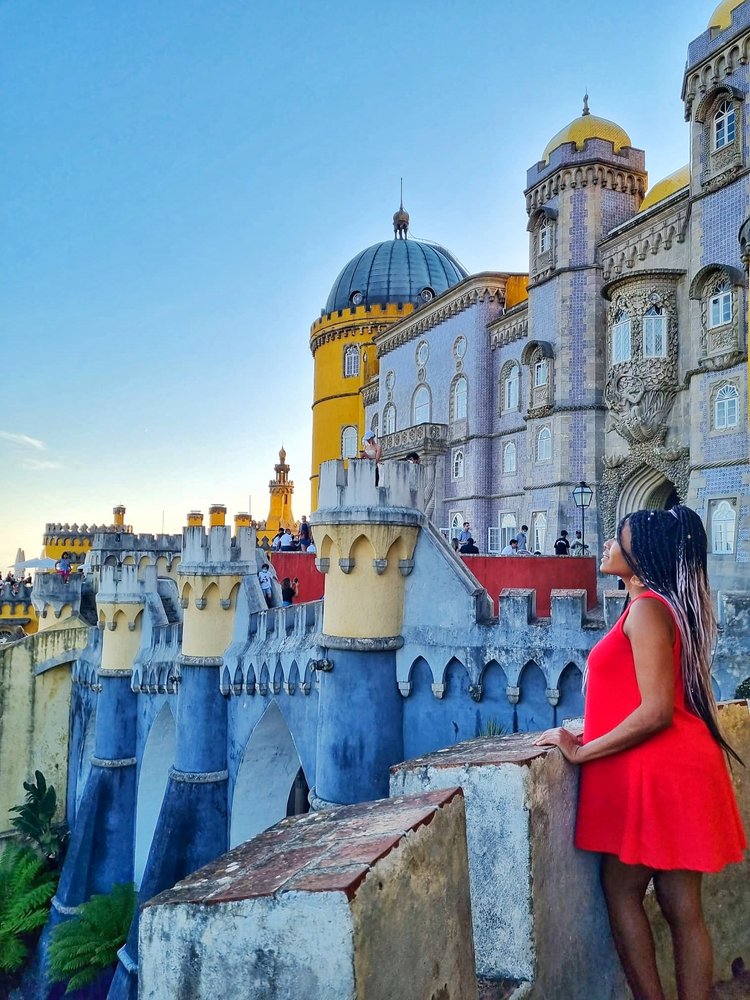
[
  {"x": 158, "y": 757},
  {"x": 265, "y": 778}
]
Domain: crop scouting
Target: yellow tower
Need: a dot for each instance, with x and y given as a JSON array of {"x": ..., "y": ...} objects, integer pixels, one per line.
[
  {"x": 377, "y": 288},
  {"x": 280, "y": 505}
]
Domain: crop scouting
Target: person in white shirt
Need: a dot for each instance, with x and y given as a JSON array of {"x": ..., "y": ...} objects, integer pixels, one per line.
[
  {"x": 266, "y": 583},
  {"x": 286, "y": 543},
  {"x": 511, "y": 549}
]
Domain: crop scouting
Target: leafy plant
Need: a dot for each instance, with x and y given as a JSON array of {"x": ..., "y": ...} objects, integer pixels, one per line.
[
  {"x": 83, "y": 947},
  {"x": 26, "y": 887},
  {"x": 493, "y": 728},
  {"x": 743, "y": 689},
  {"x": 35, "y": 819}
]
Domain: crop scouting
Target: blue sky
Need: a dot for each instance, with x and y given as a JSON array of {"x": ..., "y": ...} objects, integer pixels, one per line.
[{"x": 182, "y": 181}]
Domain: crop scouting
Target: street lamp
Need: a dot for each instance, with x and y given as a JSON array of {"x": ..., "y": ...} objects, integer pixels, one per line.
[{"x": 582, "y": 496}]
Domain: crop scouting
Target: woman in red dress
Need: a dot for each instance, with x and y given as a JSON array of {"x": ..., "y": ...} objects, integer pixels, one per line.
[{"x": 656, "y": 798}]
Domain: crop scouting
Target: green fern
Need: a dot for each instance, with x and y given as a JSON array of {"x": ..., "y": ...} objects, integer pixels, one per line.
[
  {"x": 35, "y": 819},
  {"x": 743, "y": 689},
  {"x": 83, "y": 947},
  {"x": 26, "y": 888}
]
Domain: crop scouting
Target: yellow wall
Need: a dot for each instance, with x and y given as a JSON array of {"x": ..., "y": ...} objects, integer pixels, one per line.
[
  {"x": 337, "y": 401},
  {"x": 34, "y": 715},
  {"x": 516, "y": 290},
  {"x": 207, "y": 631},
  {"x": 15, "y": 615},
  {"x": 74, "y": 544}
]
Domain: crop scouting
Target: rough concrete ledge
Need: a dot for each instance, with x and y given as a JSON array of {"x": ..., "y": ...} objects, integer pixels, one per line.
[
  {"x": 486, "y": 751},
  {"x": 368, "y": 884}
]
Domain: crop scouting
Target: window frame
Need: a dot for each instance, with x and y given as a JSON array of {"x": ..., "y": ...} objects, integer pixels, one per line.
[
  {"x": 544, "y": 237},
  {"x": 421, "y": 388},
  {"x": 541, "y": 366},
  {"x": 725, "y": 395},
  {"x": 351, "y": 351},
  {"x": 507, "y": 447},
  {"x": 718, "y": 530},
  {"x": 389, "y": 425},
  {"x": 538, "y": 529},
  {"x": 547, "y": 432},
  {"x": 461, "y": 381},
  {"x": 724, "y": 119},
  {"x": 623, "y": 321},
  {"x": 721, "y": 298},
  {"x": 652, "y": 314},
  {"x": 512, "y": 379},
  {"x": 344, "y": 430},
  {"x": 458, "y": 464}
]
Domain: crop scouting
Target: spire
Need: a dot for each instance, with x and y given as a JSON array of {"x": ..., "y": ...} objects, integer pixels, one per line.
[
  {"x": 585, "y": 105},
  {"x": 401, "y": 218}
]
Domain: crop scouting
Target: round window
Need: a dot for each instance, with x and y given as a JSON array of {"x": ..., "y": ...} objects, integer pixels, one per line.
[
  {"x": 423, "y": 353},
  {"x": 427, "y": 294},
  {"x": 356, "y": 298},
  {"x": 459, "y": 347}
]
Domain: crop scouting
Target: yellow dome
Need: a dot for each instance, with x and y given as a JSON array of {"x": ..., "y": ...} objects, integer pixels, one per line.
[
  {"x": 721, "y": 19},
  {"x": 588, "y": 126},
  {"x": 664, "y": 188}
]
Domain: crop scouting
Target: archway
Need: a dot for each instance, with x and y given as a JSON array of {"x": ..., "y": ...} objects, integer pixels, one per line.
[
  {"x": 268, "y": 781},
  {"x": 158, "y": 757},
  {"x": 647, "y": 489}
]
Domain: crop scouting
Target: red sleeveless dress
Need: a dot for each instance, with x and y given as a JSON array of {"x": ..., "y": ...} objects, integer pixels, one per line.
[{"x": 667, "y": 803}]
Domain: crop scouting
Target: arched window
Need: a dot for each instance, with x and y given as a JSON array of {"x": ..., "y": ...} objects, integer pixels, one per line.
[
  {"x": 458, "y": 463},
  {"x": 511, "y": 388},
  {"x": 507, "y": 529},
  {"x": 460, "y": 394},
  {"x": 349, "y": 442},
  {"x": 351, "y": 361},
  {"x": 725, "y": 125},
  {"x": 726, "y": 407},
  {"x": 720, "y": 305},
  {"x": 655, "y": 333},
  {"x": 544, "y": 244},
  {"x": 374, "y": 424},
  {"x": 541, "y": 373},
  {"x": 389, "y": 419},
  {"x": 509, "y": 457},
  {"x": 621, "y": 333},
  {"x": 457, "y": 523},
  {"x": 544, "y": 445},
  {"x": 538, "y": 531},
  {"x": 723, "y": 523},
  {"x": 421, "y": 405}
]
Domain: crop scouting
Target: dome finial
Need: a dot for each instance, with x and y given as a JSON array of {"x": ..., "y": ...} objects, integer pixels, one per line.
[
  {"x": 585, "y": 104},
  {"x": 401, "y": 218}
]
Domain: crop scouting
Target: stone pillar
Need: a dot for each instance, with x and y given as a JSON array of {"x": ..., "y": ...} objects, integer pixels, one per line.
[
  {"x": 366, "y": 537},
  {"x": 192, "y": 828},
  {"x": 100, "y": 854}
]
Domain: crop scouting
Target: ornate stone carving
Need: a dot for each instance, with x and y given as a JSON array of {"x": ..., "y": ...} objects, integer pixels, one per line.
[
  {"x": 672, "y": 463},
  {"x": 641, "y": 391}
]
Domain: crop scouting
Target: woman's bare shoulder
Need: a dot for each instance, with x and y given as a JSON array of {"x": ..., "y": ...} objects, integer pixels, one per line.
[{"x": 648, "y": 614}]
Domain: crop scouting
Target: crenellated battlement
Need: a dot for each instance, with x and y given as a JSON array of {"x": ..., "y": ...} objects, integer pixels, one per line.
[
  {"x": 352, "y": 485},
  {"x": 214, "y": 551},
  {"x": 121, "y": 541},
  {"x": 51, "y": 595}
]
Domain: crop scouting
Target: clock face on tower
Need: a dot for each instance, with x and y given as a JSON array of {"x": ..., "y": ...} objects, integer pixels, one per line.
[{"x": 427, "y": 294}]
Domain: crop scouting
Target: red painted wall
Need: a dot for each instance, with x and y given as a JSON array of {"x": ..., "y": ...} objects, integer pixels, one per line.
[
  {"x": 301, "y": 565},
  {"x": 540, "y": 573}
]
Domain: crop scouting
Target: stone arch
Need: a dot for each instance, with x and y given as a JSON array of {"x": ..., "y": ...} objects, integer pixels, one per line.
[
  {"x": 570, "y": 703},
  {"x": 495, "y": 705},
  {"x": 646, "y": 489},
  {"x": 158, "y": 757},
  {"x": 265, "y": 778},
  {"x": 533, "y": 711}
]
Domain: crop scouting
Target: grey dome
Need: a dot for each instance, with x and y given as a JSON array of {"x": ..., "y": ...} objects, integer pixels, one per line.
[{"x": 395, "y": 271}]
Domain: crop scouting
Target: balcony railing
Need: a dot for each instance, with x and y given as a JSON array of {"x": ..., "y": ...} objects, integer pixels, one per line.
[{"x": 422, "y": 438}]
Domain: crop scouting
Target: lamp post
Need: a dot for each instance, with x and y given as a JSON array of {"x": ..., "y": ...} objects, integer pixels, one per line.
[{"x": 582, "y": 496}]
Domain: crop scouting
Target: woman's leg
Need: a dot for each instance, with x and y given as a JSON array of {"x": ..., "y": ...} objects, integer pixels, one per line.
[
  {"x": 624, "y": 889},
  {"x": 679, "y": 895}
]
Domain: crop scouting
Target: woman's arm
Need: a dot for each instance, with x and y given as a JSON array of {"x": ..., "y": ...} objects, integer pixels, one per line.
[{"x": 650, "y": 630}]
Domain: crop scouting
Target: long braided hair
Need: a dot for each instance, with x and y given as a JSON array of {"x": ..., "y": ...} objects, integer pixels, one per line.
[{"x": 669, "y": 553}]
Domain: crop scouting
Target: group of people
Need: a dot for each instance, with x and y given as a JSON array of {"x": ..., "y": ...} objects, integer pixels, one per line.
[
  {"x": 14, "y": 583},
  {"x": 286, "y": 541},
  {"x": 289, "y": 586}
]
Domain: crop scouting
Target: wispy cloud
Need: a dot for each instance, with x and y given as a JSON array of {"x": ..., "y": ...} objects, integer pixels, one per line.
[
  {"x": 37, "y": 465},
  {"x": 22, "y": 439}
]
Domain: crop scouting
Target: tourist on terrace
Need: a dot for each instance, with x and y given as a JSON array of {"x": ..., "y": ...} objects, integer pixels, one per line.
[
  {"x": 522, "y": 538},
  {"x": 286, "y": 542},
  {"x": 305, "y": 537},
  {"x": 562, "y": 545},
  {"x": 465, "y": 534},
  {"x": 289, "y": 590},
  {"x": 371, "y": 449},
  {"x": 64, "y": 566},
  {"x": 265, "y": 579},
  {"x": 656, "y": 799},
  {"x": 469, "y": 548},
  {"x": 511, "y": 549}
]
